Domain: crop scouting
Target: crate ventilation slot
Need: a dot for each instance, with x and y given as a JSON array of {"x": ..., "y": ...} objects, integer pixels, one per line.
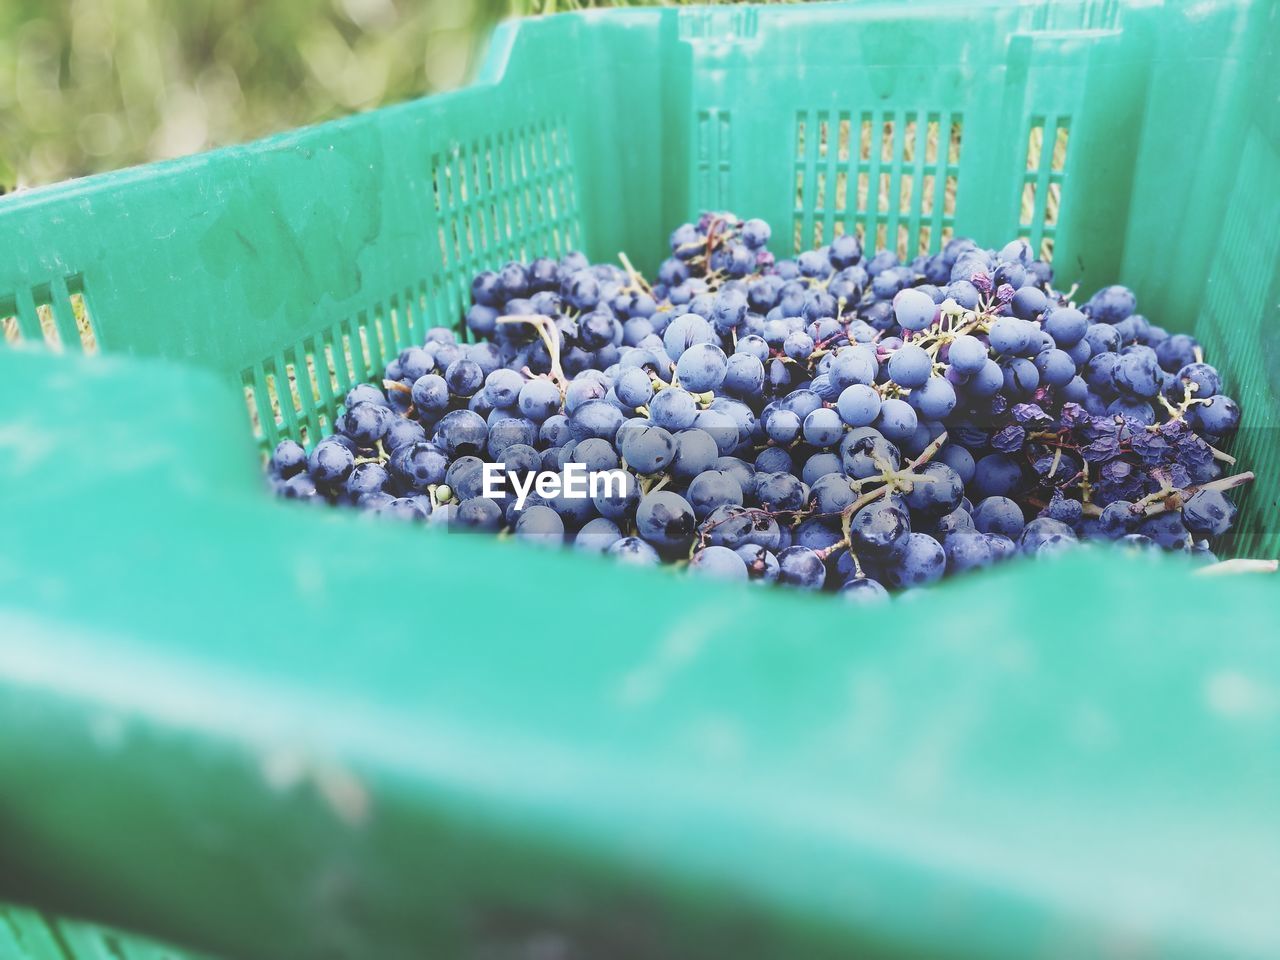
[
  {"x": 724, "y": 25},
  {"x": 890, "y": 176},
  {"x": 1053, "y": 16},
  {"x": 1043, "y": 179},
  {"x": 296, "y": 391},
  {"x": 511, "y": 196},
  {"x": 55, "y": 315}
]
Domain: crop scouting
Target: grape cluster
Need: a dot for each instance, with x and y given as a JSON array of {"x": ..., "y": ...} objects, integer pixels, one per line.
[{"x": 830, "y": 421}]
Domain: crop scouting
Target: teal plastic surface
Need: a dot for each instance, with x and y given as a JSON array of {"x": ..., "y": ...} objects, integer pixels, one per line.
[
  {"x": 277, "y": 732},
  {"x": 27, "y": 934}
]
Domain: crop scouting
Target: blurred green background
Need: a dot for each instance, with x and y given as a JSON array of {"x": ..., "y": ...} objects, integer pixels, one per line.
[{"x": 92, "y": 85}]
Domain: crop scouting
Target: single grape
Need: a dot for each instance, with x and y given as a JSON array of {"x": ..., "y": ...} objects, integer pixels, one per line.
[
  {"x": 1208, "y": 513},
  {"x": 1204, "y": 379},
  {"x": 463, "y": 377},
  {"x": 330, "y": 463},
  {"x": 762, "y": 565},
  {"x": 1067, "y": 326},
  {"x": 462, "y": 433},
  {"x": 1056, "y": 368},
  {"x": 909, "y": 366},
  {"x": 597, "y": 535},
  {"x": 773, "y": 460},
  {"x": 595, "y": 454},
  {"x": 1029, "y": 302},
  {"x": 1118, "y": 519},
  {"x": 845, "y": 251},
  {"x": 666, "y": 520},
  {"x": 539, "y": 399},
  {"x": 696, "y": 451},
  {"x": 1010, "y": 335},
  {"x": 999, "y": 514},
  {"x": 897, "y": 419},
  {"x": 939, "y": 492},
  {"x": 479, "y": 514},
  {"x": 998, "y": 475},
  {"x": 618, "y": 505},
  {"x": 288, "y": 458},
  {"x": 782, "y": 426},
  {"x": 798, "y": 345},
  {"x": 1218, "y": 417},
  {"x": 823, "y": 427},
  {"x": 935, "y": 399},
  {"x": 967, "y": 354},
  {"x": 853, "y": 365},
  {"x": 866, "y": 453},
  {"x": 367, "y": 478},
  {"x": 646, "y": 449},
  {"x": 744, "y": 375},
  {"x": 878, "y": 527},
  {"x": 702, "y": 367},
  {"x": 1168, "y": 530},
  {"x": 1112, "y": 304},
  {"x": 914, "y": 310},
  {"x": 801, "y": 567},
  {"x": 673, "y": 409},
  {"x": 987, "y": 382},
  {"x": 1139, "y": 374},
  {"x": 711, "y": 489},
  {"x": 917, "y": 559},
  {"x": 633, "y": 550},
  {"x": 958, "y": 459},
  {"x": 1102, "y": 338},
  {"x": 1043, "y": 530},
  {"x": 540, "y": 525},
  {"x": 858, "y": 405},
  {"x": 967, "y": 551},
  {"x": 719, "y": 563},
  {"x": 779, "y": 491}
]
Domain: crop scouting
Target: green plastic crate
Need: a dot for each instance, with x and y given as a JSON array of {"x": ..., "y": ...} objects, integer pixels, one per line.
[
  {"x": 27, "y": 934},
  {"x": 269, "y": 731}
]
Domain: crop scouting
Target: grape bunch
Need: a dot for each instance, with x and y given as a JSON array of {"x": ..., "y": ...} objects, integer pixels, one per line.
[{"x": 832, "y": 421}]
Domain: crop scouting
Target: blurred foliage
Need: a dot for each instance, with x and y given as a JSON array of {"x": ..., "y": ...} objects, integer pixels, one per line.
[{"x": 92, "y": 85}]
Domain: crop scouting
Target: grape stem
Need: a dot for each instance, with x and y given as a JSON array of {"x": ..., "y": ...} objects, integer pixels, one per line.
[
  {"x": 929, "y": 452},
  {"x": 1178, "y": 412},
  {"x": 857, "y": 565},
  {"x": 701, "y": 540},
  {"x": 847, "y": 514},
  {"x": 545, "y": 327},
  {"x": 1162, "y": 494},
  {"x": 1086, "y": 491},
  {"x": 1221, "y": 455},
  {"x": 1166, "y": 499},
  {"x": 1237, "y": 566},
  {"x": 1176, "y": 498},
  {"x": 889, "y": 479},
  {"x": 636, "y": 279},
  {"x": 658, "y": 484},
  {"x": 1057, "y": 462}
]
